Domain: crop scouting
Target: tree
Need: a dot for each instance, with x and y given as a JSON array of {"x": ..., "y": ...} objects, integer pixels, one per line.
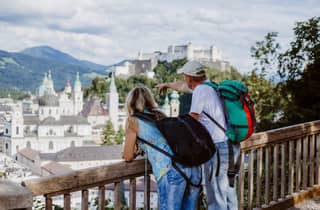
[
  {"x": 120, "y": 135},
  {"x": 296, "y": 98},
  {"x": 108, "y": 134},
  {"x": 98, "y": 88},
  {"x": 265, "y": 93},
  {"x": 300, "y": 67}
]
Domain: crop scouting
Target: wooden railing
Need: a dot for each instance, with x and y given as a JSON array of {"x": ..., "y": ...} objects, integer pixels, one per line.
[
  {"x": 278, "y": 168},
  {"x": 83, "y": 180}
]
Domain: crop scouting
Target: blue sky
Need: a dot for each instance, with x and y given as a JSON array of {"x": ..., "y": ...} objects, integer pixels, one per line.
[{"x": 108, "y": 31}]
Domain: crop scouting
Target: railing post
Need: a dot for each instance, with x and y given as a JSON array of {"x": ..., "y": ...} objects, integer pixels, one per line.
[
  {"x": 312, "y": 160},
  {"x": 147, "y": 192},
  {"x": 14, "y": 196},
  {"x": 275, "y": 172},
  {"x": 267, "y": 176},
  {"x": 117, "y": 196},
  {"x": 305, "y": 163},
  {"x": 250, "y": 180},
  {"x": 67, "y": 201},
  {"x": 318, "y": 159},
  {"x": 102, "y": 197},
  {"x": 132, "y": 194},
  {"x": 291, "y": 168},
  {"x": 241, "y": 182},
  {"x": 84, "y": 199},
  {"x": 48, "y": 202},
  {"x": 283, "y": 169},
  {"x": 259, "y": 177},
  {"x": 298, "y": 165}
]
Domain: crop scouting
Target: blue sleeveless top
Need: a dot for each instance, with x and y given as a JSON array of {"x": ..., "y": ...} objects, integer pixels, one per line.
[{"x": 160, "y": 163}]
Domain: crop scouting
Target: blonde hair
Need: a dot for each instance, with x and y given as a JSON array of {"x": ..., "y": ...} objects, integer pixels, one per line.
[{"x": 139, "y": 99}]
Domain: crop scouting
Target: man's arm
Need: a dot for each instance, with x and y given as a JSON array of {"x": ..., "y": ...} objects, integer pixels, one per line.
[{"x": 180, "y": 86}]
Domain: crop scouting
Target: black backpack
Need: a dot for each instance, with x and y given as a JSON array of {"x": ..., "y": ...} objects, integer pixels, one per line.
[{"x": 188, "y": 139}]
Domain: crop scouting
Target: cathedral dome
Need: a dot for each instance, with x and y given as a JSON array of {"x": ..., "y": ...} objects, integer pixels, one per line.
[{"x": 48, "y": 100}]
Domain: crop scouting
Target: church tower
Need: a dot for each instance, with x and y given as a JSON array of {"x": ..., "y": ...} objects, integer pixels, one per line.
[
  {"x": 190, "y": 54},
  {"x": 17, "y": 121},
  {"x": 112, "y": 103},
  {"x": 166, "y": 107},
  {"x": 47, "y": 87},
  {"x": 67, "y": 88},
  {"x": 77, "y": 96},
  {"x": 174, "y": 104}
]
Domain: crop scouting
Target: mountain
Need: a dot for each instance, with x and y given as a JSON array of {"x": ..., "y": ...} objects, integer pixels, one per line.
[
  {"x": 25, "y": 70},
  {"x": 50, "y": 53}
]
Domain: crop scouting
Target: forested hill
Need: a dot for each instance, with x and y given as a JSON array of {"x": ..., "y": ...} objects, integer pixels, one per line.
[{"x": 25, "y": 70}]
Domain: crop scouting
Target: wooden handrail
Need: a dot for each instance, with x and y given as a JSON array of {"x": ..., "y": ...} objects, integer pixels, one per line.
[
  {"x": 281, "y": 134},
  {"x": 274, "y": 166},
  {"x": 86, "y": 178}
]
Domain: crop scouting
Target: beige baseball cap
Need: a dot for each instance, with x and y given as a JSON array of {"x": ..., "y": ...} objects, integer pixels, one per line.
[{"x": 193, "y": 68}]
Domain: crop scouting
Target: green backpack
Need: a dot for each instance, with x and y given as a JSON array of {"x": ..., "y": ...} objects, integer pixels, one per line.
[{"x": 239, "y": 109}]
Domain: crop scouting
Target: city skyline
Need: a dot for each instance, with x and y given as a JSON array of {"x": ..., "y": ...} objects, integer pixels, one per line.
[{"x": 107, "y": 32}]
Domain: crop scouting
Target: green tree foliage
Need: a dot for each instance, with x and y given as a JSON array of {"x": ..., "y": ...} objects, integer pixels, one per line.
[
  {"x": 124, "y": 86},
  {"x": 297, "y": 97},
  {"x": 167, "y": 71},
  {"x": 14, "y": 94},
  {"x": 218, "y": 76},
  {"x": 265, "y": 93},
  {"x": 109, "y": 134},
  {"x": 98, "y": 88},
  {"x": 300, "y": 67},
  {"x": 120, "y": 135}
]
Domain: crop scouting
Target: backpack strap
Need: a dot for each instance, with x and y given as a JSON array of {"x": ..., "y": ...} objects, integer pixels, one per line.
[
  {"x": 174, "y": 165},
  {"x": 145, "y": 116},
  {"x": 150, "y": 118},
  {"x": 215, "y": 88},
  {"x": 234, "y": 167},
  {"x": 213, "y": 120}
]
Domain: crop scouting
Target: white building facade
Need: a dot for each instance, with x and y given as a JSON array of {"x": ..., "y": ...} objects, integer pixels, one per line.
[{"x": 55, "y": 126}]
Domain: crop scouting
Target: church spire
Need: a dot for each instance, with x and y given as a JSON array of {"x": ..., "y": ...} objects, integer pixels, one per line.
[
  {"x": 77, "y": 83},
  {"x": 113, "y": 87}
]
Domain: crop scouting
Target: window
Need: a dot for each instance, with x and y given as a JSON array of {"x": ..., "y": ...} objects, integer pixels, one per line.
[
  {"x": 50, "y": 145},
  {"x": 50, "y": 132},
  {"x": 49, "y": 111},
  {"x": 7, "y": 130},
  {"x": 17, "y": 148},
  {"x": 28, "y": 144},
  {"x": 27, "y": 130},
  {"x": 17, "y": 130},
  {"x": 7, "y": 146},
  {"x": 72, "y": 144}
]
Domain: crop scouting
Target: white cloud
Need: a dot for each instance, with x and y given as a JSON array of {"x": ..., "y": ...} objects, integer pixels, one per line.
[{"x": 109, "y": 31}]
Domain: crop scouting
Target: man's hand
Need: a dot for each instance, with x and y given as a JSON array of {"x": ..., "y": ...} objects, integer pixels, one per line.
[{"x": 163, "y": 88}]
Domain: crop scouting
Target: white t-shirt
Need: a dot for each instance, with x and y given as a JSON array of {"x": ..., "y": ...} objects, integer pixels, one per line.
[{"x": 205, "y": 98}]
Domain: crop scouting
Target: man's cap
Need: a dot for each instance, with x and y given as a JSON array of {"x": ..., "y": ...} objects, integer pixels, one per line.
[{"x": 193, "y": 68}]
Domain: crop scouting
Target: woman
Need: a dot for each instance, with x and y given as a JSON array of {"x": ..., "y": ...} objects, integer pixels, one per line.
[{"x": 173, "y": 192}]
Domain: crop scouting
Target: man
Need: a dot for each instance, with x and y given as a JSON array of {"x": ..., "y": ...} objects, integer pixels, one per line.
[{"x": 220, "y": 195}]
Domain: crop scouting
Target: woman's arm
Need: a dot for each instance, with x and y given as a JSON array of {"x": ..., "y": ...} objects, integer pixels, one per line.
[{"x": 130, "y": 140}]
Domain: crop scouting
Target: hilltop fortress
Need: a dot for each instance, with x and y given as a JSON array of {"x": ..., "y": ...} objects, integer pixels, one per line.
[{"x": 146, "y": 62}]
